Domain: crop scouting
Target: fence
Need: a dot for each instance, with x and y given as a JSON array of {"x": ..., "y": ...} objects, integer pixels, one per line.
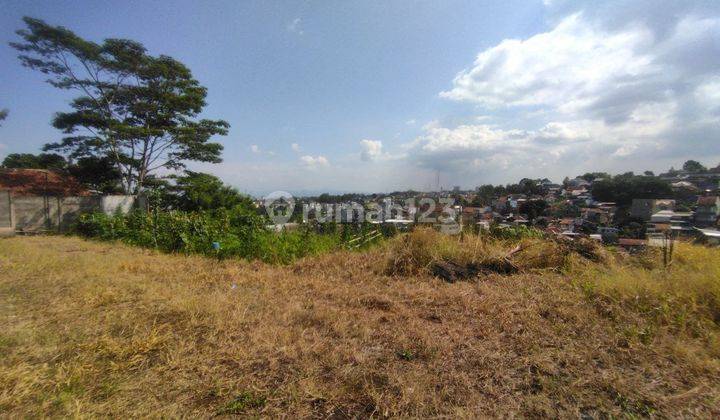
[{"x": 34, "y": 214}]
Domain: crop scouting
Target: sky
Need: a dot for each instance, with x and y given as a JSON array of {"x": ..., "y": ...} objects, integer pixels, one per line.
[{"x": 377, "y": 96}]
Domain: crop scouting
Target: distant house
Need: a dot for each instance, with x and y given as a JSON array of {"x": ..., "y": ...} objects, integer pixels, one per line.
[
  {"x": 472, "y": 214},
  {"x": 515, "y": 200},
  {"x": 644, "y": 208},
  {"x": 684, "y": 185},
  {"x": 708, "y": 210},
  {"x": 596, "y": 215},
  {"x": 501, "y": 204},
  {"x": 709, "y": 236},
  {"x": 632, "y": 244},
  {"x": 667, "y": 220},
  {"x": 578, "y": 182}
]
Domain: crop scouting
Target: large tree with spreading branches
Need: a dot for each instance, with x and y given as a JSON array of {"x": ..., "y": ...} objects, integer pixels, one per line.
[{"x": 137, "y": 109}]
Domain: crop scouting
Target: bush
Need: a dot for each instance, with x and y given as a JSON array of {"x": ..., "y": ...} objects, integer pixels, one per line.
[
  {"x": 514, "y": 232},
  {"x": 240, "y": 234},
  {"x": 424, "y": 249}
]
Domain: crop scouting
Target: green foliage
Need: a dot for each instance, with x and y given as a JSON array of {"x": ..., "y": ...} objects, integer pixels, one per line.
[
  {"x": 525, "y": 186},
  {"x": 199, "y": 191},
  {"x": 486, "y": 193},
  {"x": 137, "y": 109},
  {"x": 514, "y": 232},
  {"x": 31, "y": 161},
  {"x": 3, "y": 114},
  {"x": 240, "y": 233},
  {"x": 533, "y": 208},
  {"x": 241, "y": 403},
  {"x": 565, "y": 209},
  {"x": 98, "y": 174},
  {"x": 622, "y": 189},
  {"x": 592, "y": 176},
  {"x": 694, "y": 166}
]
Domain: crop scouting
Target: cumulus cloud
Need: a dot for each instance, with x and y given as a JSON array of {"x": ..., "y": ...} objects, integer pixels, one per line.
[
  {"x": 555, "y": 149},
  {"x": 295, "y": 147},
  {"x": 371, "y": 149},
  {"x": 314, "y": 161},
  {"x": 598, "y": 93},
  {"x": 566, "y": 68}
]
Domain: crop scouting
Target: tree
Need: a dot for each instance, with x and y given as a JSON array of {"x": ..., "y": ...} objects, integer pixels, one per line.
[
  {"x": 31, "y": 161},
  {"x": 525, "y": 186},
  {"x": 3, "y": 114},
  {"x": 137, "y": 109},
  {"x": 485, "y": 194},
  {"x": 533, "y": 208},
  {"x": 592, "y": 176},
  {"x": 98, "y": 174},
  {"x": 622, "y": 189},
  {"x": 693, "y": 166},
  {"x": 200, "y": 191},
  {"x": 565, "y": 209}
]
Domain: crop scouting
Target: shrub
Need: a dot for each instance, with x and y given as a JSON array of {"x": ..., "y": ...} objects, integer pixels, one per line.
[
  {"x": 514, "y": 232},
  {"x": 422, "y": 250},
  {"x": 239, "y": 233}
]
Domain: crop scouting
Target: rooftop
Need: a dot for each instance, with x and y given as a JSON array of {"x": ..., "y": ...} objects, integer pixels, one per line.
[{"x": 39, "y": 182}]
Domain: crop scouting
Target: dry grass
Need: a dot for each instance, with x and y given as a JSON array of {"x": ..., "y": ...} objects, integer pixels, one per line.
[
  {"x": 417, "y": 253},
  {"x": 93, "y": 329}
]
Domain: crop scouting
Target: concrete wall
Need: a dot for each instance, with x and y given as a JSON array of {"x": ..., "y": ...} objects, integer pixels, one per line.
[
  {"x": 37, "y": 214},
  {"x": 6, "y": 225}
]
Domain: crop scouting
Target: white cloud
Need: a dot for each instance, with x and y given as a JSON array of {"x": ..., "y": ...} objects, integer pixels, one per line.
[
  {"x": 295, "y": 147},
  {"x": 314, "y": 161},
  {"x": 371, "y": 149},
  {"x": 566, "y": 68},
  {"x": 594, "y": 94},
  {"x": 614, "y": 86},
  {"x": 295, "y": 26},
  {"x": 255, "y": 148},
  {"x": 474, "y": 152}
]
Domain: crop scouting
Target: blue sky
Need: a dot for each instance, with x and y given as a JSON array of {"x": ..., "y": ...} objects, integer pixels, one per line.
[{"x": 377, "y": 96}]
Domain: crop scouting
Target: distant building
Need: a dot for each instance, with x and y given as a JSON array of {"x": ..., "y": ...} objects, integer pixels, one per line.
[
  {"x": 578, "y": 182},
  {"x": 632, "y": 244},
  {"x": 644, "y": 208},
  {"x": 708, "y": 210},
  {"x": 709, "y": 236},
  {"x": 684, "y": 185},
  {"x": 679, "y": 223},
  {"x": 596, "y": 215}
]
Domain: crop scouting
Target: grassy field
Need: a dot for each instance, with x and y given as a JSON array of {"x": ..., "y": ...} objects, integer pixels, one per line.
[{"x": 102, "y": 329}]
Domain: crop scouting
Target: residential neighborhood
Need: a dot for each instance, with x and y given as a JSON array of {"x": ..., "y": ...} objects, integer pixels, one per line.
[
  {"x": 341, "y": 210},
  {"x": 679, "y": 204}
]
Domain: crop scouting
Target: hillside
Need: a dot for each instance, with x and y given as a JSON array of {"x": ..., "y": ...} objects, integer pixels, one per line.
[{"x": 102, "y": 329}]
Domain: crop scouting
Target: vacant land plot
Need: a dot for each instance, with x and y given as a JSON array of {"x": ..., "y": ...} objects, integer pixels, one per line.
[{"x": 100, "y": 329}]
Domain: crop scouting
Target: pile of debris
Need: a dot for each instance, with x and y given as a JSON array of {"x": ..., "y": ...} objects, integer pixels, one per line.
[{"x": 454, "y": 259}]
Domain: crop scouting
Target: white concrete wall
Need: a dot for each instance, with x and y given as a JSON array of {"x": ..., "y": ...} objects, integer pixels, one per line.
[{"x": 35, "y": 214}]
